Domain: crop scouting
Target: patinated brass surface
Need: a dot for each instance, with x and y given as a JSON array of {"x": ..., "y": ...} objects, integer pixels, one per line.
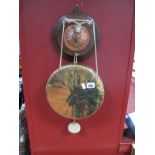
[{"x": 75, "y": 91}]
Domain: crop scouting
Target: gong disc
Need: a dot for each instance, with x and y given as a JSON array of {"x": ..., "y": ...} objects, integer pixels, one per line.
[{"x": 75, "y": 91}]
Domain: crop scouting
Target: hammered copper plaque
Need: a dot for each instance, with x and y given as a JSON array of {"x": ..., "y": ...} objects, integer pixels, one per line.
[
  {"x": 75, "y": 91},
  {"x": 76, "y": 37}
]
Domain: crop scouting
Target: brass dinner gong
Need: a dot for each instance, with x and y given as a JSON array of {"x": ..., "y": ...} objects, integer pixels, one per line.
[{"x": 75, "y": 91}]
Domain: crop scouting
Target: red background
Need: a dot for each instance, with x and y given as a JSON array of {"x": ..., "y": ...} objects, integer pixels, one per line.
[{"x": 101, "y": 134}]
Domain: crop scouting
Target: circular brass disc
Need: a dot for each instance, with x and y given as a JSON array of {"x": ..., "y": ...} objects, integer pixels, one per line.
[
  {"x": 76, "y": 38},
  {"x": 75, "y": 91}
]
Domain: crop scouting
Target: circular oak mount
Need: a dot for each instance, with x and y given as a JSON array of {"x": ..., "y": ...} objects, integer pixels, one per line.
[{"x": 78, "y": 37}]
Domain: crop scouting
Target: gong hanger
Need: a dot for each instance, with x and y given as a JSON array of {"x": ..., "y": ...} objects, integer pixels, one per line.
[{"x": 75, "y": 52}]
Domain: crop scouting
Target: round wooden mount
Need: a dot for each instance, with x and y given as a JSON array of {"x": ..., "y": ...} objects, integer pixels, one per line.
[{"x": 78, "y": 35}]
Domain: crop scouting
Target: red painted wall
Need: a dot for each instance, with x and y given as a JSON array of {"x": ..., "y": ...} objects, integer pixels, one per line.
[{"x": 101, "y": 133}]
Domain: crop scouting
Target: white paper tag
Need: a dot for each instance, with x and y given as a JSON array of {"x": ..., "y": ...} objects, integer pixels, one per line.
[{"x": 90, "y": 85}]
